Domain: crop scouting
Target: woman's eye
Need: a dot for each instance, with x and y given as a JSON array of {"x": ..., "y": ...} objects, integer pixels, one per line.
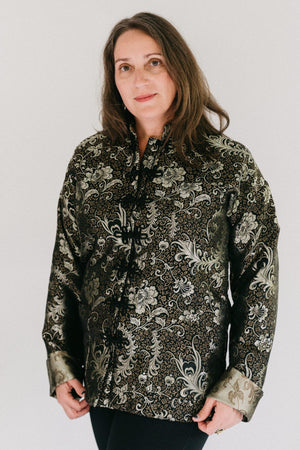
[
  {"x": 155, "y": 62},
  {"x": 124, "y": 68}
]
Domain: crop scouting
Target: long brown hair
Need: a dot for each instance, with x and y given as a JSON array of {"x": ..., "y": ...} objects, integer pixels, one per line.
[{"x": 193, "y": 102}]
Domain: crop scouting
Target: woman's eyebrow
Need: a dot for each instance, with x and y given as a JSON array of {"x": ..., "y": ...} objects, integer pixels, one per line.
[{"x": 146, "y": 56}]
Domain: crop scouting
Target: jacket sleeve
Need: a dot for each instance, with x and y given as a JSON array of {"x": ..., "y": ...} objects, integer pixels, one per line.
[
  {"x": 253, "y": 260},
  {"x": 62, "y": 332}
]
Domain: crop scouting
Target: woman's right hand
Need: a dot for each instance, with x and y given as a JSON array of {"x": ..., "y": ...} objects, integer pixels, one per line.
[{"x": 73, "y": 407}]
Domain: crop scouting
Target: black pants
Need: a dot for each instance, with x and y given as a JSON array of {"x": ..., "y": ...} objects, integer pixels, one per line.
[{"x": 117, "y": 430}]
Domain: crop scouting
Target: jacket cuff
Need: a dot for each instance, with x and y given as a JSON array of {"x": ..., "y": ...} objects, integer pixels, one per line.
[
  {"x": 236, "y": 390},
  {"x": 61, "y": 368}
]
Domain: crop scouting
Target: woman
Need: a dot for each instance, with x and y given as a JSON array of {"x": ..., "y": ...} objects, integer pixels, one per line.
[{"x": 153, "y": 213}]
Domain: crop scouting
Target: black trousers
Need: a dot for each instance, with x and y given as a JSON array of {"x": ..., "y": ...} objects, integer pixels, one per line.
[{"x": 118, "y": 430}]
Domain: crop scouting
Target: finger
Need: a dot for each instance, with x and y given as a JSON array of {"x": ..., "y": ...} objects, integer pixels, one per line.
[
  {"x": 216, "y": 422},
  {"x": 69, "y": 412},
  {"x": 83, "y": 411},
  {"x": 206, "y": 410},
  {"x": 209, "y": 427},
  {"x": 71, "y": 402},
  {"x": 65, "y": 398},
  {"x": 214, "y": 425},
  {"x": 72, "y": 414},
  {"x": 202, "y": 426},
  {"x": 79, "y": 388}
]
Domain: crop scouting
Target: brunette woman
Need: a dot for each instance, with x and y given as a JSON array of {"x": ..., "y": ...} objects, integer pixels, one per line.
[{"x": 159, "y": 214}]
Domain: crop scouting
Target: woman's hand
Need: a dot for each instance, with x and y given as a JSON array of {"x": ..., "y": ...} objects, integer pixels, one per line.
[
  {"x": 223, "y": 417},
  {"x": 73, "y": 407}
]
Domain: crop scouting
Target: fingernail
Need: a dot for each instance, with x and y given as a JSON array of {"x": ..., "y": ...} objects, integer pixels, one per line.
[{"x": 195, "y": 418}]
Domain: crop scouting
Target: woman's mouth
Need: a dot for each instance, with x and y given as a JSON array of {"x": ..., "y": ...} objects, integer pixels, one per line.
[{"x": 144, "y": 98}]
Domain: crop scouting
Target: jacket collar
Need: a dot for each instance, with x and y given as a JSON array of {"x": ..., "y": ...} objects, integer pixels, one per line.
[{"x": 165, "y": 132}]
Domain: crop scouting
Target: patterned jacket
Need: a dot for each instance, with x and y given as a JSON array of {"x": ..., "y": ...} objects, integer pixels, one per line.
[{"x": 153, "y": 260}]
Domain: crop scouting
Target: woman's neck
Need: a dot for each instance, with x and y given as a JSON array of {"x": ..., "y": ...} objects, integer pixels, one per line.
[{"x": 145, "y": 131}]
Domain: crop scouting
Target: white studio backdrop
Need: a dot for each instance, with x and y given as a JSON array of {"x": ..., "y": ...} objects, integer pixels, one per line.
[{"x": 50, "y": 56}]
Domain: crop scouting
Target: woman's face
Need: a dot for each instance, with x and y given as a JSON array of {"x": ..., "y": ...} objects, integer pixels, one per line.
[{"x": 142, "y": 79}]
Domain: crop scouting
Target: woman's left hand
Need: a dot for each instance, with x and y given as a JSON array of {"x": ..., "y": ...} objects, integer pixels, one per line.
[{"x": 224, "y": 416}]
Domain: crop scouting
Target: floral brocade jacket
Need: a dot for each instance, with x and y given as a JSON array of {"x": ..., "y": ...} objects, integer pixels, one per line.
[{"x": 153, "y": 260}]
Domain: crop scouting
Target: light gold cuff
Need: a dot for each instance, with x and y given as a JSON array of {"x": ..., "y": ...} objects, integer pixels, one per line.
[
  {"x": 236, "y": 390},
  {"x": 61, "y": 368}
]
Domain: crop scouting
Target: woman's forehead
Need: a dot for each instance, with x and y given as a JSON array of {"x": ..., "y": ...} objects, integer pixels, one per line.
[{"x": 133, "y": 42}]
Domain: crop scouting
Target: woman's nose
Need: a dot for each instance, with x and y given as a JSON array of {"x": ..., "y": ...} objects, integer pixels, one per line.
[{"x": 141, "y": 77}]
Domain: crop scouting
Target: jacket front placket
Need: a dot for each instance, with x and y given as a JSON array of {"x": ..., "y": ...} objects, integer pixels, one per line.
[{"x": 142, "y": 172}]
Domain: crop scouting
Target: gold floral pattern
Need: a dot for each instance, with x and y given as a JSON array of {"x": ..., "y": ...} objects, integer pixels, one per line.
[{"x": 138, "y": 301}]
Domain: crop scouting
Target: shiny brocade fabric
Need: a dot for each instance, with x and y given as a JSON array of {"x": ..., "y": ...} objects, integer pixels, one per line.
[{"x": 146, "y": 258}]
